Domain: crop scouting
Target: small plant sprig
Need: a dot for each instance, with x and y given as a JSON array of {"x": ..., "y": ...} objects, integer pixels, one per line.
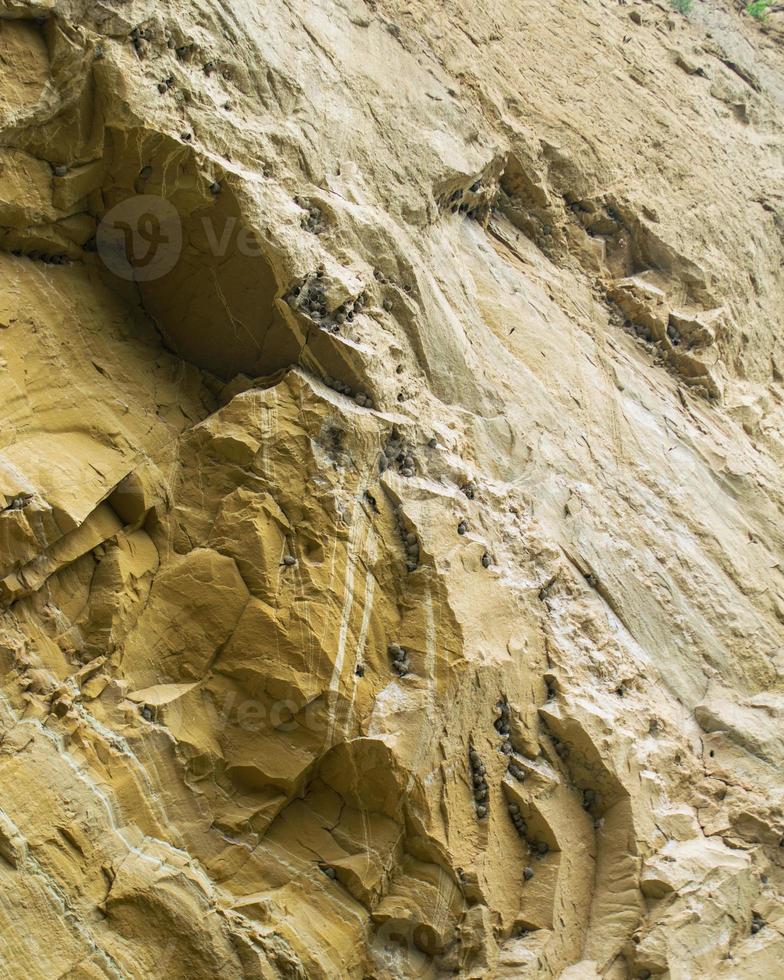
[
  {"x": 759, "y": 8},
  {"x": 682, "y": 6}
]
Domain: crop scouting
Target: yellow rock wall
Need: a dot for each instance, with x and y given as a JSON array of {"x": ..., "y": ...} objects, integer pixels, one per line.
[{"x": 391, "y": 508}]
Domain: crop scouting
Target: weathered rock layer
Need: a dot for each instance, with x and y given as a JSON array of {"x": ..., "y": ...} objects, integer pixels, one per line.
[{"x": 391, "y": 492}]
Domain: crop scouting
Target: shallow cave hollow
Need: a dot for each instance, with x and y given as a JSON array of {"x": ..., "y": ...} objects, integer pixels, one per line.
[{"x": 212, "y": 292}]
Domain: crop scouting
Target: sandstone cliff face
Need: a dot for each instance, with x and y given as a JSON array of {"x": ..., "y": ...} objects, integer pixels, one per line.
[{"x": 391, "y": 555}]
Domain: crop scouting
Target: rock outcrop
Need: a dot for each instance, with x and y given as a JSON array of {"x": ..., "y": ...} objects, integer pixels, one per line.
[{"x": 391, "y": 506}]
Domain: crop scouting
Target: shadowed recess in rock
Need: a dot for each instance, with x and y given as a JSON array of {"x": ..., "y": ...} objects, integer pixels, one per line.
[{"x": 215, "y": 306}]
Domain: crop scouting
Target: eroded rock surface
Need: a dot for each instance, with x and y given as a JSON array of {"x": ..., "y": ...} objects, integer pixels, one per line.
[{"x": 391, "y": 490}]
